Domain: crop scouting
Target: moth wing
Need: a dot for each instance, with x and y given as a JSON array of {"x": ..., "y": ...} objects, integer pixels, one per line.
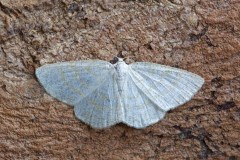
[
  {"x": 81, "y": 84},
  {"x": 140, "y": 110},
  {"x": 168, "y": 86},
  {"x": 153, "y": 89},
  {"x": 101, "y": 108}
]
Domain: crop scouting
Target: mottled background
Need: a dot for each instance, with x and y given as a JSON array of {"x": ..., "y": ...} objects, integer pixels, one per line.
[{"x": 201, "y": 36}]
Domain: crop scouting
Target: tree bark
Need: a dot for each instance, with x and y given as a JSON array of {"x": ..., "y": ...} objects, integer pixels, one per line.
[{"x": 202, "y": 37}]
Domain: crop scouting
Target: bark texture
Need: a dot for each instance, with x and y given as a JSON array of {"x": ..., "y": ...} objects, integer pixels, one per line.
[{"x": 200, "y": 36}]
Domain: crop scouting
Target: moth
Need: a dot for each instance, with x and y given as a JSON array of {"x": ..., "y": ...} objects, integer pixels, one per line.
[{"x": 104, "y": 94}]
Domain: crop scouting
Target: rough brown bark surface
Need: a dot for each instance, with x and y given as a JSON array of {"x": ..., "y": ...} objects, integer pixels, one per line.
[{"x": 200, "y": 36}]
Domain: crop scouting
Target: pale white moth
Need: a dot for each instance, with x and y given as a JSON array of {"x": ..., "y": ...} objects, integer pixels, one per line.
[{"x": 104, "y": 94}]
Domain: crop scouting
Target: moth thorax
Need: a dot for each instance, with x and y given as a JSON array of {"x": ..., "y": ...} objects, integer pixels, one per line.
[{"x": 122, "y": 72}]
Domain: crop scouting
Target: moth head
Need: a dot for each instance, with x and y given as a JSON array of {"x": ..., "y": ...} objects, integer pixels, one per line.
[{"x": 118, "y": 59}]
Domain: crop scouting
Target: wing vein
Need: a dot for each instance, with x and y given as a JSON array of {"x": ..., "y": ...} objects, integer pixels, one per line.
[
  {"x": 169, "y": 91},
  {"x": 144, "y": 85}
]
